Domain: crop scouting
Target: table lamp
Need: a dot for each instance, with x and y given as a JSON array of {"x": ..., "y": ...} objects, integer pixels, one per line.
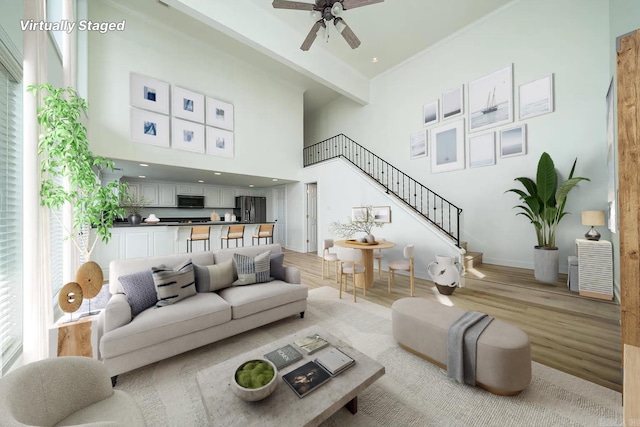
[{"x": 593, "y": 218}]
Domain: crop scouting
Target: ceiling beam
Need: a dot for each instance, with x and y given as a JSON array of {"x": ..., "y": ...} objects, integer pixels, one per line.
[{"x": 255, "y": 27}]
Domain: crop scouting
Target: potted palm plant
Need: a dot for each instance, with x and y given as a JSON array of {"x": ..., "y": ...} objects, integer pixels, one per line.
[{"x": 544, "y": 202}]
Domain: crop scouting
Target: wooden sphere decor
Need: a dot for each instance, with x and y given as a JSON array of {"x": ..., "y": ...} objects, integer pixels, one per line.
[
  {"x": 90, "y": 278},
  {"x": 70, "y": 297}
]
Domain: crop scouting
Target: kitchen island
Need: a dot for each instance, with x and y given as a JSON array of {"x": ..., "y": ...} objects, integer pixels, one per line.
[{"x": 163, "y": 238}]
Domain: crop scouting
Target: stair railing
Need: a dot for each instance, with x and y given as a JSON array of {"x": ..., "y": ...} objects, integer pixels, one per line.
[{"x": 429, "y": 205}]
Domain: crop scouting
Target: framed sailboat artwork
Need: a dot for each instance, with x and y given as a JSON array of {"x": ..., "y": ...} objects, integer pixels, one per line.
[{"x": 491, "y": 100}]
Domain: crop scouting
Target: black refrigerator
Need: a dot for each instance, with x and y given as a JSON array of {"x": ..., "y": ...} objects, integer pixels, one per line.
[{"x": 252, "y": 209}]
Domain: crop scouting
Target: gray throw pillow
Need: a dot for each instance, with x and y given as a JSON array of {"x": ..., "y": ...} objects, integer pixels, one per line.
[
  {"x": 140, "y": 291},
  {"x": 210, "y": 278},
  {"x": 252, "y": 270},
  {"x": 174, "y": 284},
  {"x": 276, "y": 267}
]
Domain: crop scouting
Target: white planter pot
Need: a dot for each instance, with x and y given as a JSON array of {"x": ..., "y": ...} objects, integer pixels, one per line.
[{"x": 545, "y": 264}]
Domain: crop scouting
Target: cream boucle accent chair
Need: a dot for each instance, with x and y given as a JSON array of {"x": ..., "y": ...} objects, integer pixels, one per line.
[{"x": 65, "y": 391}]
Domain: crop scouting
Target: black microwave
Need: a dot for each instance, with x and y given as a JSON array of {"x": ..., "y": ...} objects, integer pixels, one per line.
[{"x": 191, "y": 202}]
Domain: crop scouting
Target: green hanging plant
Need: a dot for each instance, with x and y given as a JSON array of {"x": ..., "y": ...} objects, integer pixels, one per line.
[{"x": 64, "y": 153}]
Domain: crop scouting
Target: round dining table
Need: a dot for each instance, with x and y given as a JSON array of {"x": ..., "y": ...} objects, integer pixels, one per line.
[{"x": 367, "y": 258}]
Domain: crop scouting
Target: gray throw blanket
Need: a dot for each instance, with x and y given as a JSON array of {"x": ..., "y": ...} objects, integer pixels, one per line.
[{"x": 461, "y": 346}]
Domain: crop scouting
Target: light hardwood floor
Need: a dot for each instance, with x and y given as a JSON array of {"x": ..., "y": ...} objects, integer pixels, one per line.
[{"x": 574, "y": 334}]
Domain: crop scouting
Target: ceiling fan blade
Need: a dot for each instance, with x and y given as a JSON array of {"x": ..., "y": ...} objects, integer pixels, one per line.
[
  {"x": 295, "y": 5},
  {"x": 352, "y": 4},
  {"x": 308, "y": 41},
  {"x": 346, "y": 32}
]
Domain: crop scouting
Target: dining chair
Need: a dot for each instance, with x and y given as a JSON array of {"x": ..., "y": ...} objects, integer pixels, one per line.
[
  {"x": 377, "y": 255},
  {"x": 199, "y": 233},
  {"x": 265, "y": 231},
  {"x": 404, "y": 265},
  {"x": 350, "y": 264},
  {"x": 234, "y": 232},
  {"x": 329, "y": 257}
]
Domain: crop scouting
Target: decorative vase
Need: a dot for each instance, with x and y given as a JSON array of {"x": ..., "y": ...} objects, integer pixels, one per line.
[
  {"x": 134, "y": 219},
  {"x": 370, "y": 238},
  {"x": 545, "y": 264},
  {"x": 445, "y": 272}
]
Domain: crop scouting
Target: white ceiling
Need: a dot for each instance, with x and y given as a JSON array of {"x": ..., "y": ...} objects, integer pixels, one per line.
[{"x": 392, "y": 31}]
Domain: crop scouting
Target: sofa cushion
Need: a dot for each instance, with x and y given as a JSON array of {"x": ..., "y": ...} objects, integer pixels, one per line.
[
  {"x": 155, "y": 325},
  {"x": 140, "y": 290},
  {"x": 247, "y": 300},
  {"x": 174, "y": 284},
  {"x": 252, "y": 270},
  {"x": 211, "y": 278},
  {"x": 275, "y": 266},
  {"x": 222, "y": 255}
]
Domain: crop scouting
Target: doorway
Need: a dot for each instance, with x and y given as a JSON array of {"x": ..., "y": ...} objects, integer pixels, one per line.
[{"x": 312, "y": 217}]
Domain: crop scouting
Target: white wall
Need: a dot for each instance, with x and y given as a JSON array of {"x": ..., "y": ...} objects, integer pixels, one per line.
[
  {"x": 268, "y": 113},
  {"x": 539, "y": 37}
]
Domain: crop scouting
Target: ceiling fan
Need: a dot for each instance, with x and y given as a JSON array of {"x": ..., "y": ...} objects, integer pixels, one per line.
[{"x": 325, "y": 11}]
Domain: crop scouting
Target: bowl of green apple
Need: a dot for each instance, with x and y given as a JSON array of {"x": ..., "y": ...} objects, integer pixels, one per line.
[{"x": 254, "y": 380}]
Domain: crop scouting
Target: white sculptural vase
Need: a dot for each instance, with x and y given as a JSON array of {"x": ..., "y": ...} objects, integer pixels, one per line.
[{"x": 445, "y": 272}]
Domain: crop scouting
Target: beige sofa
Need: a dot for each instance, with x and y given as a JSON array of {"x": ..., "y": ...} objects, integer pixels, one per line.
[{"x": 158, "y": 333}]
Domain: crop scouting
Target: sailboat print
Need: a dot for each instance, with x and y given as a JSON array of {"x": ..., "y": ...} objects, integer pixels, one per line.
[{"x": 491, "y": 102}]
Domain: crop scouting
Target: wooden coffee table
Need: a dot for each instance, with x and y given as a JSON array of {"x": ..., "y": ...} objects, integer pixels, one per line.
[{"x": 283, "y": 407}]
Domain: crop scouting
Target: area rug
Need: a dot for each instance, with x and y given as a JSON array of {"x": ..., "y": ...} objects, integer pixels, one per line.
[{"x": 412, "y": 392}]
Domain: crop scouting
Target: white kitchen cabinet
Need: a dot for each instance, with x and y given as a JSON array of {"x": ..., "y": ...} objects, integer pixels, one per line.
[
  {"x": 134, "y": 191},
  {"x": 189, "y": 189},
  {"x": 167, "y": 195},
  {"x": 211, "y": 197},
  {"x": 227, "y": 198},
  {"x": 150, "y": 193}
]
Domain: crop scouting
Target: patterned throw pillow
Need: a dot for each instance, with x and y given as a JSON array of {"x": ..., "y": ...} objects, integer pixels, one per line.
[
  {"x": 174, "y": 284},
  {"x": 140, "y": 291},
  {"x": 210, "y": 278},
  {"x": 277, "y": 269},
  {"x": 252, "y": 270}
]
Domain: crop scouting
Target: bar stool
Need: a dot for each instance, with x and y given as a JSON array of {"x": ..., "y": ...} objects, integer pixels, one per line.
[
  {"x": 199, "y": 233},
  {"x": 265, "y": 231},
  {"x": 234, "y": 232}
]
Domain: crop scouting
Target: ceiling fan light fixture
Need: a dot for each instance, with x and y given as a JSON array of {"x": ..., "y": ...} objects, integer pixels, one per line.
[
  {"x": 315, "y": 15},
  {"x": 336, "y": 9}
]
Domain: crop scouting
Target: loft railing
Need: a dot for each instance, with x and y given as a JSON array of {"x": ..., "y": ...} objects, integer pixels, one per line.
[{"x": 431, "y": 206}]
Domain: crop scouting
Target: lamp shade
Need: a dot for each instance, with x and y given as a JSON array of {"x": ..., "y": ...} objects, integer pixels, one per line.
[{"x": 593, "y": 218}]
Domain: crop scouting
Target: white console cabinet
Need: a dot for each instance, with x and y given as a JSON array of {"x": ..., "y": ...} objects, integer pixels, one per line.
[{"x": 595, "y": 268}]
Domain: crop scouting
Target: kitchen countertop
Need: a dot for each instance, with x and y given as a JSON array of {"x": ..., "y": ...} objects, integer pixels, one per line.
[{"x": 185, "y": 224}]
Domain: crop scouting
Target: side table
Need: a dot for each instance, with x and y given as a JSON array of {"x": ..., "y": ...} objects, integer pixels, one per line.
[
  {"x": 74, "y": 338},
  {"x": 595, "y": 268}
]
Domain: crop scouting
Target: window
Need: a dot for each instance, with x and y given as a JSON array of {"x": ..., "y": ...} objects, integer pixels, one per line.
[{"x": 10, "y": 219}]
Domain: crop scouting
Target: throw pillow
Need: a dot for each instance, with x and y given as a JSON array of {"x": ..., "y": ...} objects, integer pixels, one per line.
[
  {"x": 174, "y": 284},
  {"x": 140, "y": 291},
  {"x": 211, "y": 278},
  {"x": 276, "y": 267},
  {"x": 252, "y": 270}
]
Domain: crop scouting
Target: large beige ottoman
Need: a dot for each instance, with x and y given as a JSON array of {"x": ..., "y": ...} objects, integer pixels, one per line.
[{"x": 503, "y": 358}]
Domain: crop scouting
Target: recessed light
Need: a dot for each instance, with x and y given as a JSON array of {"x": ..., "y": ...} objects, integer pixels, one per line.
[
  {"x": 250, "y": 185},
  {"x": 374, "y": 59},
  {"x": 200, "y": 181},
  {"x": 217, "y": 173},
  {"x": 144, "y": 165},
  {"x": 274, "y": 179},
  {"x": 141, "y": 176}
]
